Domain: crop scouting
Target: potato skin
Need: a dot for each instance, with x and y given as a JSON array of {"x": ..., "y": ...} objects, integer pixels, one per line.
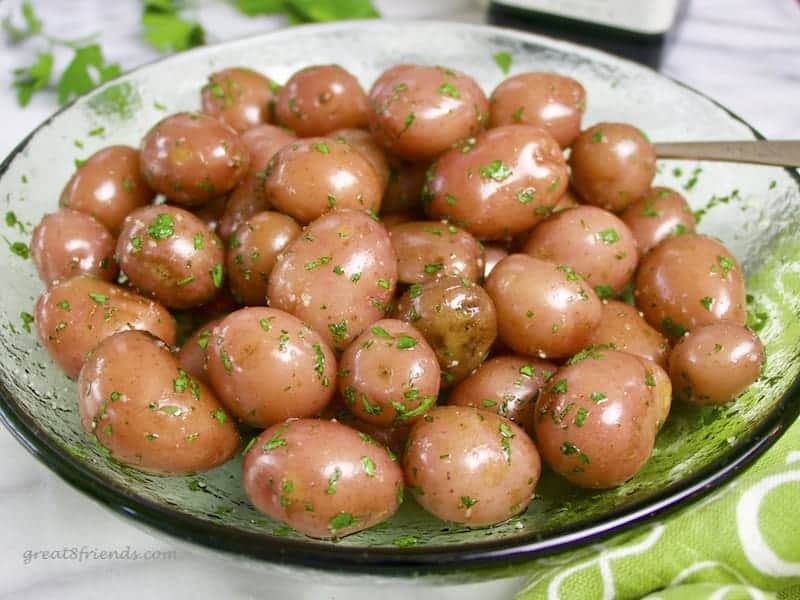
[
  {"x": 312, "y": 176},
  {"x": 499, "y": 184},
  {"x": 714, "y": 363},
  {"x": 192, "y": 354},
  {"x": 470, "y": 466},
  {"x": 458, "y": 320},
  {"x": 322, "y": 478},
  {"x": 319, "y": 99},
  {"x": 623, "y": 328},
  {"x": 389, "y": 375},
  {"x": 417, "y": 112},
  {"x": 594, "y": 242},
  {"x": 339, "y": 276},
  {"x": 613, "y": 165},
  {"x": 67, "y": 243},
  {"x": 688, "y": 281},
  {"x": 661, "y": 213},
  {"x": 192, "y": 158},
  {"x": 548, "y": 100},
  {"x": 543, "y": 310},
  {"x": 239, "y": 97},
  {"x": 74, "y": 316},
  {"x": 506, "y": 385},
  {"x": 267, "y": 366},
  {"x": 597, "y": 419},
  {"x": 428, "y": 250},
  {"x": 149, "y": 412},
  {"x": 169, "y": 254},
  {"x": 108, "y": 186},
  {"x": 363, "y": 142}
]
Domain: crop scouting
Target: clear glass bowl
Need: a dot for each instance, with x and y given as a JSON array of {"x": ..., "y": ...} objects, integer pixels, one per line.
[{"x": 755, "y": 210}]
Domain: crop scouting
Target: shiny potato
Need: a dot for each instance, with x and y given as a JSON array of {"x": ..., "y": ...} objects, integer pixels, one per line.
[
  {"x": 339, "y": 276},
  {"x": 362, "y": 141},
  {"x": 417, "y": 112},
  {"x": 659, "y": 214},
  {"x": 389, "y": 375},
  {"x": 320, "y": 99},
  {"x": 239, "y": 97},
  {"x": 169, "y": 254},
  {"x": 503, "y": 182},
  {"x": 393, "y": 437},
  {"x": 470, "y": 466},
  {"x": 192, "y": 158},
  {"x": 597, "y": 419},
  {"x": 492, "y": 254},
  {"x": 594, "y": 242},
  {"x": 623, "y": 328},
  {"x": 74, "y": 316},
  {"x": 714, "y": 363},
  {"x": 322, "y": 478},
  {"x": 192, "y": 353},
  {"x": 247, "y": 198},
  {"x": 506, "y": 385},
  {"x": 543, "y": 309},
  {"x": 267, "y": 366},
  {"x": 148, "y": 412},
  {"x": 252, "y": 252},
  {"x": 661, "y": 389},
  {"x": 108, "y": 186},
  {"x": 67, "y": 243},
  {"x": 457, "y": 318},
  {"x": 428, "y": 250},
  {"x": 688, "y": 281},
  {"x": 548, "y": 100},
  {"x": 613, "y": 165},
  {"x": 403, "y": 192},
  {"x": 310, "y": 177}
]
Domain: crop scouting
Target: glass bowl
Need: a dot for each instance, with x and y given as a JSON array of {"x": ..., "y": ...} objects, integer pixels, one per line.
[{"x": 753, "y": 209}]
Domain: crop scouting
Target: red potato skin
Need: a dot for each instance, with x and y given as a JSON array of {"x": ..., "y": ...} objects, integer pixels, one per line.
[
  {"x": 661, "y": 213},
  {"x": 403, "y": 194},
  {"x": 152, "y": 417},
  {"x": 548, "y": 100},
  {"x": 192, "y": 158},
  {"x": 320, "y": 99},
  {"x": 314, "y": 474},
  {"x": 338, "y": 303},
  {"x": 169, "y": 254},
  {"x": 239, "y": 97},
  {"x": 108, "y": 186},
  {"x": 688, "y": 281},
  {"x": 72, "y": 317},
  {"x": 310, "y": 177},
  {"x": 192, "y": 354},
  {"x": 504, "y": 184},
  {"x": 623, "y": 328},
  {"x": 378, "y": 374},
  {"x": 613, "y": 165},
  {"x": 714, "y": 363},
  {"x": 594, "y": 242},
  {"x": 417, "y": 112},
  {"x": 67, "y": 243},
  {"x": 363, "y": 142},
  {"x": 470, "y": 466},
  {"x": 543, "y": 310},
  {"x": 267, "y": 366},
  {"x": 506, "y": 385},
  {"x": 597, "y": 419}
]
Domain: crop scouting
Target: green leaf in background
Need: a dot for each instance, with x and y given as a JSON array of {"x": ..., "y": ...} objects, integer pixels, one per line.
[
  {"x": 260, "y": 7},
  {"x": 33, "y": 25},
  {"x": 30, "y": 80},
  {"x": 78, "y": 77},
  {"x": 332, "y": 10},
  {"x": 166, "y": 31}
]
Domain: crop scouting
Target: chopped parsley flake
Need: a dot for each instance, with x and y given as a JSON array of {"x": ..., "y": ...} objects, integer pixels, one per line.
[
  {"x": 219, "y": 415},
  {"x": 560, "y": 387},
  {"x": 341, "y": 520},
  {"x": 706, "y": 302},
  {"x": 672, "y": 328},
  {"x": 369, "y": 466},
  {"x": 448, "y": 89},
  {"x": 598, "y": 397},
  {"x": 404, "y": 342},
  {"x": 322, "y": 260},
  {"x": 580, "y": 417},
  {"x": 495, "y": 170},
  {"x": 526, "y": 196},
  {"x": 99, "y": 298},
  {"x": 331, "y": 490},
  {"x": 433, "y": 268},
  {"x": 321, "y": 147},
  {"x": 604, "y": 291},
  {"x": 503, "y": 60},
  {"x": 216, "y": 275},
  {"x": 608, "y": 236},
  {"x": 161, "y": 228},
  {"x": 468, "y": 502},
  {"x": 275, "y": 440}
]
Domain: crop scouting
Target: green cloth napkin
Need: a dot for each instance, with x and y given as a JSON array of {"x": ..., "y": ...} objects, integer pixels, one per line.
[{"x": 742, "y": 541}]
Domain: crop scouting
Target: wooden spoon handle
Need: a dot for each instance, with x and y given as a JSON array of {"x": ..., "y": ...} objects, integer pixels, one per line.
[{"x": 782, "y": 153}]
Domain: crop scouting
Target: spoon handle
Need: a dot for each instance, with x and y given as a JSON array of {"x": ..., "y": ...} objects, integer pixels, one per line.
[{"x": 782, "y": 153}]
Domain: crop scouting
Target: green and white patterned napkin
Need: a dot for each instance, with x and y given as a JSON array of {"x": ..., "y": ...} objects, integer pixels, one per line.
[{"x": 742, "y": 541}]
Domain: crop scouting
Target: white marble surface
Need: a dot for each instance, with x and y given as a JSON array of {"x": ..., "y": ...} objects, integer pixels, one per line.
[{"x": 745, "y": 54}]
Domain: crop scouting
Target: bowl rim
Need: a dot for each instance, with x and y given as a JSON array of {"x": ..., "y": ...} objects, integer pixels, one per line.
[{"x": 427, "y": 559}]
